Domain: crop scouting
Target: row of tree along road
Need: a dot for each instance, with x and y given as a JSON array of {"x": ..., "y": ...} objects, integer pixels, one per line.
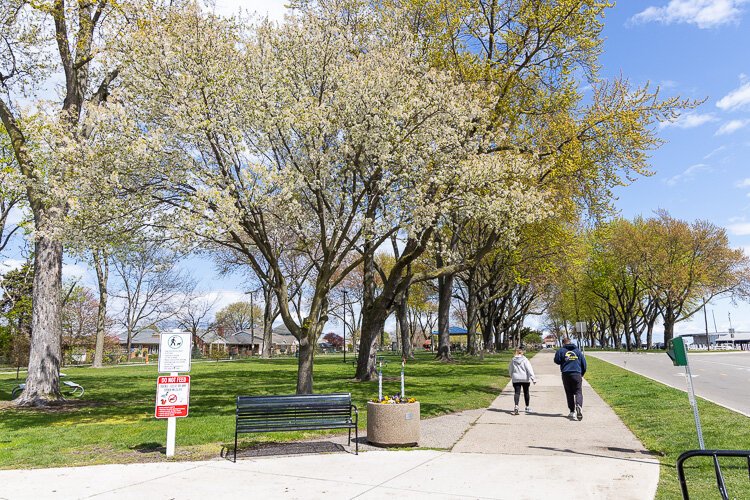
[{"x": 444, "y": 143}]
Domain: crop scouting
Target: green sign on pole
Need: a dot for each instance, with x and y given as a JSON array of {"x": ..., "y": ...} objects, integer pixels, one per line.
[{"x": 677, "y": 351}]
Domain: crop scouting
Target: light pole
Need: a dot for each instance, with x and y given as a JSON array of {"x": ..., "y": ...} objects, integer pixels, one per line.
[
  {"x": 705, "y": 320},
  {"x": 344, "y": 304}
]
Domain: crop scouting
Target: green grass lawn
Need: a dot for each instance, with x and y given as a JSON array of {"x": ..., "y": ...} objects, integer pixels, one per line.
[
  {"x": 661, "y": 417},
  {"x": 114, "y": 421}
]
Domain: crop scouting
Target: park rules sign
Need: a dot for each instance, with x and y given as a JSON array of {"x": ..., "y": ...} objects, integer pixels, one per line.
[
  {"x": 174, "y": 352},
  {"x": 172, "y": 396}
]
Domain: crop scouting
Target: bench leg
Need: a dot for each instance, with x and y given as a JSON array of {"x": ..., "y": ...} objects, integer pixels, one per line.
[
  {"x": 356, "y": 440},
  {"x": 235, "y": 446},
  {"x": 349, "y": 443}
]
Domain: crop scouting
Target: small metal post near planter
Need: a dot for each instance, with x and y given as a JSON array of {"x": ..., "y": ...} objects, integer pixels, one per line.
[{"x": 391, "y": 423}]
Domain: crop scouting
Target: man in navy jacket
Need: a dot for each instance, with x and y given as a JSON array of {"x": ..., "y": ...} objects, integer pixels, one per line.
[{"x": 573, "y": 367}]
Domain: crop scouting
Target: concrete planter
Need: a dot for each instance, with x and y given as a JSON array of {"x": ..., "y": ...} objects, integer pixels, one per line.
[{"x": 393, "y": 424}]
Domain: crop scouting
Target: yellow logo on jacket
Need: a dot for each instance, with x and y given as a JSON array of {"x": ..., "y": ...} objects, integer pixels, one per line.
[{"x": 571, "y": 356}]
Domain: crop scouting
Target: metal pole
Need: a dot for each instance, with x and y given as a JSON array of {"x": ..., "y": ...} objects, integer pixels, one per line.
[
  {"x": 403, "y": 362},
  {"x": 694, "y": 405},
  {"x": 344, "y": 326},
  {"x": 705, "y": 320},
  {"x": 171, "y": 429},
  {"x": 380, "y": 381},
  {"x": 716, "y": 330}
]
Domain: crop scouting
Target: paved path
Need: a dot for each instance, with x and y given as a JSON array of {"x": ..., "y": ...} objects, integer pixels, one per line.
[
  {"x": 721, "y": 377},
  {"x": 568, "y": 451},
  {"x": 497, "y": 455}
]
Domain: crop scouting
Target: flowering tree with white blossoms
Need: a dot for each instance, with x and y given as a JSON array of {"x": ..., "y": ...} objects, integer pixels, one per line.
[
  {"x": 58, "y": 66},
  {"x": 40, "y": 38},
  {"x": 314, "y": 137}
]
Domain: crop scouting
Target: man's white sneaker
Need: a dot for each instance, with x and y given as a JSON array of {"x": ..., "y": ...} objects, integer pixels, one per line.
[
  {"x": 515, "y": 410},
  {"x": 579, "y": 412},
  {"x": 528, "y": 410},
  {"x": 572, "y": 416}
]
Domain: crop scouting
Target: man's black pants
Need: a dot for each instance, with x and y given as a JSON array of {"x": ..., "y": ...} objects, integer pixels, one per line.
[{"x": 573, "y": 383}]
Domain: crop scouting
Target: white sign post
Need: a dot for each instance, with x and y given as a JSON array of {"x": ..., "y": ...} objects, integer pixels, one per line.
[{"x": 174, "y": 357}]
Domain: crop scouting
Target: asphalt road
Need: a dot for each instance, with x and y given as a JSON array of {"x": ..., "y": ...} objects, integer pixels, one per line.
[{"x": 721, "y": 377}]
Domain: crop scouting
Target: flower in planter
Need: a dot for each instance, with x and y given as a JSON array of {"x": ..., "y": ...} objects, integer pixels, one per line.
[{"x": 395, "y": 399}]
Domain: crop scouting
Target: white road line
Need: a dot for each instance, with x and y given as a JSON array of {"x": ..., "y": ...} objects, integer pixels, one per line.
[{"x": 724, "y": 364}]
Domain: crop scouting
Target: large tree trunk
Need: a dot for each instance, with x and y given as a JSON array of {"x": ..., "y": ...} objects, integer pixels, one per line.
[
  {"x": 650, "y": 333},
  {"x": 669, "y": 321},
  {"x": 626, "y": 331},
  {"x": 268, "y": 318},
  {"x": 312, "y": 326},
  {"x": 471, "y": 321},
  {"x": 486, "y": 323},
  {"x": 373, "y": 322},
  {"x": 445, "y": 294},
  {"x": 403, "y": 321},
  {"x": 305, "y": 365},
  {"x": 43, "y": 380},
  {"x": 101, "y": 265}
]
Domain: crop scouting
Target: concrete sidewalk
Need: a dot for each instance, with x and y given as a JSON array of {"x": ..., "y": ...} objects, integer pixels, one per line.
[
  {"x": 570, "y": 451},
  {"x": 500, "y": 456}
]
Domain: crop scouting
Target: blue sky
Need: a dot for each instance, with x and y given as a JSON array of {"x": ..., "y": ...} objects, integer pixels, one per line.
[
  {"x": 692, "y": 48},
  {"x": 696, "y": 49}
]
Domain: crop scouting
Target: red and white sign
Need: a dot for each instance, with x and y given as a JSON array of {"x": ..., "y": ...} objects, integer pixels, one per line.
[{"x": 172, "y": 396}]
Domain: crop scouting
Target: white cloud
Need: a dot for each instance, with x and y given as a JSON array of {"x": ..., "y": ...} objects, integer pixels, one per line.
[
  {"x": 715, "y": 152},
  {"x": 731, "y": 126},
  {"x": 222, "y": 298},
  {"x": 688, "y": 174},
  {"x": 9, "y": 265},
  {"x": 274, "y": 9},
  {"x": 702, "y": 13},
  {"x": 739, "y": 229},
  {"x": 690, "y": 120},
  {"x": 744, "y": 183},
  {"x": 736, "y": 99}
]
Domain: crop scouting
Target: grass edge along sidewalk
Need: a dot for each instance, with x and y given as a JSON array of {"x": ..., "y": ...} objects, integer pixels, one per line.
[
  {"x": 662, "y": 419},
  {"x": 114, "y": 423}
]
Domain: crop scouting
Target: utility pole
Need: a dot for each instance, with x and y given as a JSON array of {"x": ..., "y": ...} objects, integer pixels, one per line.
[{"x": 705, "y": 320}]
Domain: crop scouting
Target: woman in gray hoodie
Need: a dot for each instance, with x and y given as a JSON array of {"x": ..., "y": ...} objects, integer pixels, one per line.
[{"x": 521, "y": 374}]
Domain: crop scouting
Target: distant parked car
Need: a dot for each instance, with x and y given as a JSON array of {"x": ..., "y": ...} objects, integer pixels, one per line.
[{"x": 659, "y": 345}]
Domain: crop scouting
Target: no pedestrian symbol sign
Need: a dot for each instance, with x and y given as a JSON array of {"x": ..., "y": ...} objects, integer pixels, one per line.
[
  {"x": 172, "y": 396},
  {"x": 174, "y": 352}
]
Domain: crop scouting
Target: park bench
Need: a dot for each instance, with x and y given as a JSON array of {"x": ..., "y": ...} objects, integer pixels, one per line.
[
  {"x": 74, "y": 389},
  {"x": 296, "y": 413}
]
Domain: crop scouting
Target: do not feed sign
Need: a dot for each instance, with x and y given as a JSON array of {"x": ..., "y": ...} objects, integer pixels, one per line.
[{"x": 172, "y": 396}]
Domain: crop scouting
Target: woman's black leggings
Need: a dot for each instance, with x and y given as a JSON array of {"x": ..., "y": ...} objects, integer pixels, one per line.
[{"x": 517, "y": 388}]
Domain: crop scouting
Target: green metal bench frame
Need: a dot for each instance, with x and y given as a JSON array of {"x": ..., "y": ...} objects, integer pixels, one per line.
[{"x": 296, "y": 412}]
